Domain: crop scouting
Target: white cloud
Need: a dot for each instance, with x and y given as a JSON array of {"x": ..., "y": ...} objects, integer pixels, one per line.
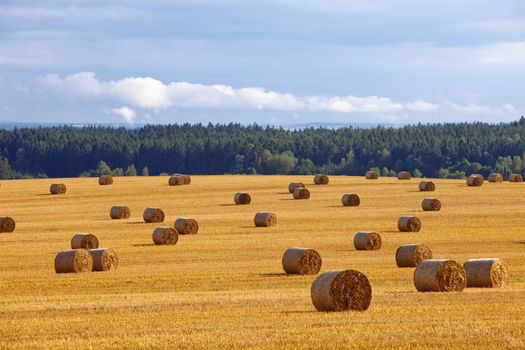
[
  {"x": 421, "y": 106},
  {"x": 472, "y": 108},
  {"x": 127, "y": 113}
]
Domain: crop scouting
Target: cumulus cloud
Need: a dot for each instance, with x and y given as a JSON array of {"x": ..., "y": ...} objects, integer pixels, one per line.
[{"x": 127, "y": 113}]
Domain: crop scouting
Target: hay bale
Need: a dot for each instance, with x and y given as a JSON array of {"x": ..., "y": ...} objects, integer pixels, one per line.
[
  {"x": 293, "y": 185},
  {"x": 119, "y": 212},
  {"x": 57, "y": 189},
  {"x": 403, "y": 175},
  {"x": 341, "y": 290},
  {"x": 74, "y": 260},
  {"x": 516, "y": 178},
  {"x": 409, "y": 224},
  {"x": 486, "y": 273},
  {"x": 495, "y": 177},
  {"x": 301, "y": 193},
  {"x": 371, "y": 175},
  {"x": 153, "y": 215},
  {"x": 105, "y": 180},
  {"x": 242, "y": 198},
  {"x": 164, "y": 174},
  {"x": 165, "y": 236},
  {"x": 411, "y": 255},
  {"x": 321, "y": 179},
  {"x": 367, "y": 240},
  {"x": 104, "y": 259},
  {"x": 350, "y": 200},
  {"x": 186, "y": 226},
  {"x": 301, "y": 261},
  {"x": 439, "y": 275},
  {"x": 187, "y": 179},
  {"x": 475, "y": 180},
  {"x": 263, "y": 219},
  {"x": 7, "y": 224},
  {"x": 431, "y": 204},
  {"x": 176, "y": 180},
  {"x": 84, "y": 241},
  {"x": 427, "y": 186}
]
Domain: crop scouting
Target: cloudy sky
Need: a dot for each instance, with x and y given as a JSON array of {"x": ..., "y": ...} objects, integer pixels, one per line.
[{"x": 266, "y": 61}]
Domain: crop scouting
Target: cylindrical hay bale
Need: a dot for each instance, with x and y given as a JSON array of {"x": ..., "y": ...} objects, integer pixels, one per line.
[
  {"x": 57, "y": 189},
  {"x": 242, "y": 198},
  {"x": 293, "y": 185},
  {"x": 403, "y": 175},
  {"x": 475, "y": 180},
  {"x": 104, "y": 259},
  {"x": 301, "y": 193},
  {"x": 411, "y": 255},
  {"x": 186, "y": 226},
  {"x": 165, "y": 236},
  {"x": 84, "y": 241},
  {"x": 74, "y": 260},
  {"x": 431, "y": 204},
  {"x": 163, "y": 174},
  {"x": 341, "y": 290},
  {"x": 176, "y": 180},
  {"x": 409, "y": 224},
  {"x": 7, "y": 224},
  {"x": 439, "y": 275},
  {"x": 495, "y": 177},
  {"x": 105, "y": 180},
  {"x": 516, "y": 178},
  {"x": 263, "y": 219},
  {"x": 153, "y": 215},
  {"x": 302, "y": 261},
  {"x": 321, "y": 179},
  {"x": 371, "y": 175},
  {"x": 367, "y": 241},
  {"x": 187, "y": 179},
  {"x": 427, "y": 186},
  {"x": 120, "y": 212},
  {"x": 350, "y": 200},
  {"x": 486, "y": 273}
]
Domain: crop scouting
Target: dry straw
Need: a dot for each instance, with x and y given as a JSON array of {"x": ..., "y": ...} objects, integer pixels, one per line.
[
  {"x": 321, "y": 179},
  {"x": 475, "y": 180},
  {"x": 105, "y": 180},
  {"x": 371, "y": 175},
  {"x": 153, "y": 215},
  {"x": 119, "y": 212},
  {"x": 431, "y": 204},
  {"x": 403, "y": 175},
  {"x": 495, "y": 177},
  {"x": 409, "y": 224},
  {"x": 293, "y": 185},
  {"x": 341, "y": 290},
  {"x": 350, "y": 200},
  {"x": 176, "y": 180},
  {"x": 104, "y": 259},
  {"x": 7, "y": 224},
  {"x": 242, "y": 198},
  {"x": 301, "y": 193},
  {"x": 74, "y": 260},
  {"x": 427, "y": 186},
  {"x": 263, "y": 219},
  {"x": 411, "y": 255},
  {"x": 57, "y": 189},
  {"x": 165, "y": 236},
  {"x": 367, "y": 240},
  {"x": 84, "y": 241},
  {"x": 486, "y": 273},
  {"x": 186, "y": 226},
  {"x": 439, "y": 275},
  {"x": 516, "y": 178},
  {"x": 301, "y": 261}
]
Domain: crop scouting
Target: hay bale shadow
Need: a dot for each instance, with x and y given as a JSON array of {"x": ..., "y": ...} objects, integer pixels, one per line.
[{"x": 273, "y": 274}]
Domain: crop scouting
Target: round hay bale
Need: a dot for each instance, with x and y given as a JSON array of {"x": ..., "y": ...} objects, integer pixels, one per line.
[
  {"x": 439, "y": 275},
  {"x": 186, "y": 226},
  {"x": 516, "y": 178},
  {"x": 119, "y": 212},
  {"x": 165, "y": 236},
  {"x": 187, "y": 179},
  {"x": 409, "y": 224},
  {"x": 427, "y": 186},
  {"x": 293, "y": 185},
  {"x": 403, "y": 175},
  {"x": 411, "y": 255},
  {"x": 242, "y": 198},
  {"x": 351, "y": 200},
  {"x": 431, "y": 204},
  {"x": 105, "y": 180},
  {"x": 341, "y": 290},
  {"x": 371, "y": 175},
  {"x": 153, "y": 215},
  {"x": 84, "y": 241},
  {"x": 495, "y": 177},
  {"x": 475, "y": 180},
  {"x": 74, "y": 260},
  {"x": 321, "y": 179},
  {"x": 263, "y": 219},
  {"x": 301, "y": 193},
  {"x": 7, "y": 224},
  {"x": 104, "y": 259},
  {"x": 367, "y": 240},
  {"x": 164, "y": 174},
  {"x": 57, "y": 189},
  {"x": 301, "y": 261},
  {"x": 486, "y": 273},
  {"x": 176, "y": 180}
]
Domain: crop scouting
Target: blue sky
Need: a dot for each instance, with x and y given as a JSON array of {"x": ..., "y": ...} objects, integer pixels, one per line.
[{"x": 273, "y": 61}]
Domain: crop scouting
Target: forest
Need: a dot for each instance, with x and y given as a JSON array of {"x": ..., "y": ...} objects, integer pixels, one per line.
[{"x": 435, "y": 150}]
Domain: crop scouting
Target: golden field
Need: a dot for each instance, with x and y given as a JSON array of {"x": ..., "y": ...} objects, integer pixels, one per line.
[{"x": 225, "y": 288}]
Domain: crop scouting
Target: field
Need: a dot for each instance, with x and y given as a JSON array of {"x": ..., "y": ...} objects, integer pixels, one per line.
[{"x": 225, "y": 288}]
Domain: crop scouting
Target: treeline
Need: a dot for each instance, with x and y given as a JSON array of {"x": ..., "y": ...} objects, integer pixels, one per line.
[{"x": 439, "y": 150}]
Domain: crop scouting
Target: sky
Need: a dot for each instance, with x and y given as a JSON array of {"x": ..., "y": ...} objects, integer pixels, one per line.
[{"x": 278, "y": 62}]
